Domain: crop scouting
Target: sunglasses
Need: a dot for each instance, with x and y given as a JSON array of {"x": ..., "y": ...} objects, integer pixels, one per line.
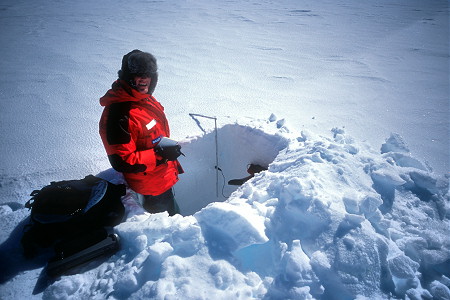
[{"x": 142, "y": 75}]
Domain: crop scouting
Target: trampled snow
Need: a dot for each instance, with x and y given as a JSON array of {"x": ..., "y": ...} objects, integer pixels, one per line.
[{"x": 346, "y": 103}]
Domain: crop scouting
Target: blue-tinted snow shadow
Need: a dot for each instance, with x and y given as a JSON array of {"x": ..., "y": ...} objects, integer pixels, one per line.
[{"x": 12, "y": 257}]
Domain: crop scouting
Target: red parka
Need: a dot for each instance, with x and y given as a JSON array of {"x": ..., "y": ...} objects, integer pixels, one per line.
[{"x": 131, "y": 125}]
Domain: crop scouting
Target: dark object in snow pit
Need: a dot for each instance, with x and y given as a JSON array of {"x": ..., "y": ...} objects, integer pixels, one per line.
[{"x": 252, "y": 169}]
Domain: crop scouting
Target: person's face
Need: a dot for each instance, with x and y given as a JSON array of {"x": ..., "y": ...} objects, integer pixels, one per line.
[{"x": 142, "y": 83}]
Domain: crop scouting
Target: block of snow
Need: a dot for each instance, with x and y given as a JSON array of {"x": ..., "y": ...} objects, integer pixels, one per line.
[
  {"x": 234, "y": 227},
  {"x": 395, "y": 143}
]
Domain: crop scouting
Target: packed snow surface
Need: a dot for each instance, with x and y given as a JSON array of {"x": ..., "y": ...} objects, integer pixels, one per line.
[{"x": 345, "y": 102}]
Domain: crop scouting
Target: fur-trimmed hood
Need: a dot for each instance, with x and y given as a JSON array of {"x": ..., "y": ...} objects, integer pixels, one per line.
[
  {"x": 121, "y": 92},
  {"x": 139, "y": 62}
]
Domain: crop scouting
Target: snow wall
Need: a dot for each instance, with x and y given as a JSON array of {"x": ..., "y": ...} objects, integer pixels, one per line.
[{"x": 237, "y": 146}]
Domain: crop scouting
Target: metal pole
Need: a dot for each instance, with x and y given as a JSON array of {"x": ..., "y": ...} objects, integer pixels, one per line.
[
  {"x": 217, "y": 159},
  {"x": 217, "y": 147}
]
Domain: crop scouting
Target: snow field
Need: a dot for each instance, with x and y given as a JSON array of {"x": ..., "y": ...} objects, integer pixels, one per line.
[{"x": 366, "y": 223}]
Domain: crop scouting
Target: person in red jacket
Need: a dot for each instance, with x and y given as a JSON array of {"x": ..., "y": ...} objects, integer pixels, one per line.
[{"x": 132, "y": 125}]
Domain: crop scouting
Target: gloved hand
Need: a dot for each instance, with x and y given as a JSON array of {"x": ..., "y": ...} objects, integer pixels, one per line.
[{"x": 168, "y": 149}]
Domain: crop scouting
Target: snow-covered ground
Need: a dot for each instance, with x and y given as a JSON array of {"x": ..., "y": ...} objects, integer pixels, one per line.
[{"x": 346, "y": 102}]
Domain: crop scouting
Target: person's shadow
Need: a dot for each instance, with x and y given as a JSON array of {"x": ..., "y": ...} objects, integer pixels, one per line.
[
  {"x": 13, "y": 261},
  {"x": 12, "y": 257}
]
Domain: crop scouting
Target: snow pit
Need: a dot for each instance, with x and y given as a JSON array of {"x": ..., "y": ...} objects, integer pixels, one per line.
[{"x": 237, "y": 146}]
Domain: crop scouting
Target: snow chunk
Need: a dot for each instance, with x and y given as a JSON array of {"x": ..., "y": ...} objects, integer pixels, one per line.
[
  {"x": 297, "y": 264},
  {"x": 141, "y": 242},
  {"x": 222, "y": 274},
  {"x": 5, "y": 210},
  {"x": 403, "y": 271},
  {"x": 296, "y": 279},
  {"x": 160, "y": 251},
  {"x": 402, "y": 267},
  {"x": 395, "y": 143},
  {"x": 424, "y": 181},
  {"x": 320, "y": 260},
  {"x": 273, "y": 118},
  {"x": 405, "y": 160},
  {"x": 127, "y": 282},
  {"x": 387, "y": 176},
  {"x": 230, "y": 227},
  {"x": 281, "y": 123},
  {"x": 64, "y": 288},
  {"x": 370, "y": 204},
  {"x": 351, "y": 204},
  {"x": 439, "y": 290}
]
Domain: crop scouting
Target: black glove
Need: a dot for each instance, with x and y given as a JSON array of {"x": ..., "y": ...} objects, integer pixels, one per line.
[{"x": 168, "y": 149}]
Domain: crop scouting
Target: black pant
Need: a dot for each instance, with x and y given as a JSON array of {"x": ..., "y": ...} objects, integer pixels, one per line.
[{"x": 164, "y": 202}]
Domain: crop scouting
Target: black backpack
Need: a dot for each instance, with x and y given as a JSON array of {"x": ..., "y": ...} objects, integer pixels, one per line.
[{"x": 65, "y": 209}]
